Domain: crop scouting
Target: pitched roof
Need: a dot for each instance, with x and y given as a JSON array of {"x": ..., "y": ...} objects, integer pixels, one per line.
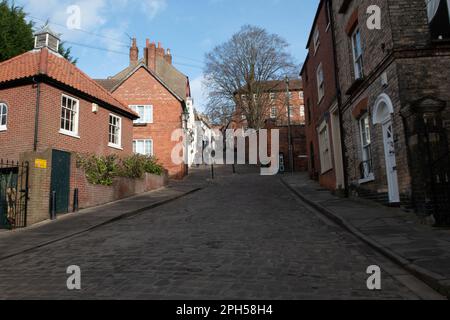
[
  {"x": 45, "y": 63},
  {"x": 166, "y": 73},
  {"x": 279, "y": 86}
]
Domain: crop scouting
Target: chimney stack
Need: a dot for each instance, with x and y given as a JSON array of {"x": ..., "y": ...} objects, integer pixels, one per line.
[
  {"x": 168, "y": 57},
  {"x": 134, "y": 53},
  {"x": 153, "y": 52},
  {"x": 160, "y": 52}
]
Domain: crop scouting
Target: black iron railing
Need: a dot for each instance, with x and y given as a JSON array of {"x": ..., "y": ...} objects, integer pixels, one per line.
[{"x": 13, "y": 194}]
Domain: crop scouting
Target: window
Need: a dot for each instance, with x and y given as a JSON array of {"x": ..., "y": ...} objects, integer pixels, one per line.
[
  {"x": 357, "y": 54},
  {"x": 272, "y": 96},
  {"x": 143, "y": 147},
  {"x": 366, "y": 165},
  {"x": 328, "y": 15},
  {"x": 115, "y": 131},
  {"x": 145, "y": 114},
  {"x": 320, "y": 83},
  {"x": 273, "y": 112},
  {"x": 302, "y": 111},
  {"x": 325, "y": 149},
  {"x": 439, "y": 18},
  {"x": 3, "y": 116},
  {"x": 291, "y": 111},
  {"x": 69, "y": 115},
  {"x": 301, "y": 95},
  {"x": 316, "y": 39}
]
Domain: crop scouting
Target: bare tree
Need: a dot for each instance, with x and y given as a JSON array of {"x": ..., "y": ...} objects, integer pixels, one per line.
[{"x": 237, "y": 74}]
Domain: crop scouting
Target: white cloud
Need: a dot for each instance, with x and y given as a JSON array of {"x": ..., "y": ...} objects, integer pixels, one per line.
[{"x": 154, "y": 7}]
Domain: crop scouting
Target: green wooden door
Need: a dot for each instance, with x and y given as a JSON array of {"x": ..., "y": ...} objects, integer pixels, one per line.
[{"x": 61, "y": 180}]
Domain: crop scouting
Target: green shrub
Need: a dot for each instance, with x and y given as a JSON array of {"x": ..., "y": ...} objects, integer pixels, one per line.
[
  {"x": 102, "y": 170},
  {"x": 99, "y": 170},
  {"x": 136, "y": 166}
]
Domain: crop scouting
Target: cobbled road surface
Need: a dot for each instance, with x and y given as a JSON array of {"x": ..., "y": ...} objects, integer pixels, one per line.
[{"x": 242, "y": 237}]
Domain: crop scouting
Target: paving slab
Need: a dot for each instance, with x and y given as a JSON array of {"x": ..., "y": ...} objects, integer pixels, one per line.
[{"x": 422, "y": 249}]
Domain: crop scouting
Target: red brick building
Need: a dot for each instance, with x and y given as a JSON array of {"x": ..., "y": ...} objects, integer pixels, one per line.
[
  {"x": 323, "y": 125},
  {"x": 157, "y": 91},
  {"x": 50, "y": 109},
  {"x": 273, "y": 101},
  {"x": 394, "y": 100}
]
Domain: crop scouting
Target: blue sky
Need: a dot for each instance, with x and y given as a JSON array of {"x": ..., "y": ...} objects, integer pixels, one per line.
[{"x": 188, "y": 28}]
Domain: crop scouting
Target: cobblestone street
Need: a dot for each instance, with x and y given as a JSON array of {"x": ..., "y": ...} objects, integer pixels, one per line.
[{"x": 242, "y": 237}]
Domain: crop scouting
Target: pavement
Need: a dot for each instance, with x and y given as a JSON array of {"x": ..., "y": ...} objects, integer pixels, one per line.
[
  {"x": 241, "y": 236},
  {"x": 15, "y": 242},
  {"x": 397, "y": 234}
]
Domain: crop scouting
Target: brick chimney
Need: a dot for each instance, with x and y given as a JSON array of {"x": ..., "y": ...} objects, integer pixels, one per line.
[
  {"x": 134, "y": 53},
  {"x": 168, "y": 57},
  {"x": 160, "y": 52},
  {"x": 150, "y": 55}
]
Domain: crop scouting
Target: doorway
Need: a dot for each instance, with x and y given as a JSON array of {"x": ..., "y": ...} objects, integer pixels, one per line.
[
  {"x": 60, "y": 180},
  {"x": 383, "y": 115}
]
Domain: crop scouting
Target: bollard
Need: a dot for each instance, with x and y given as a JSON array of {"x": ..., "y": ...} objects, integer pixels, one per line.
[
  {"x": 75, "y": 200},
  {"x": 53, "y": 211},
  {"x": 212, "y": 172}
]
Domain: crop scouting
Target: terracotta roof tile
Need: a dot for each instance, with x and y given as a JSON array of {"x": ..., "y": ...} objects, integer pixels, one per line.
[{"x": 43, "y": 62}]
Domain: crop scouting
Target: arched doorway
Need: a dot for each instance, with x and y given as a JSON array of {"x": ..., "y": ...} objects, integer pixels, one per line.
[{"x": 382, "y": 114}]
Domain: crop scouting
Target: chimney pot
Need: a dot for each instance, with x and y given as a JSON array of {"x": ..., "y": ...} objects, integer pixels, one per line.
[{"x": 134, "y": 52}]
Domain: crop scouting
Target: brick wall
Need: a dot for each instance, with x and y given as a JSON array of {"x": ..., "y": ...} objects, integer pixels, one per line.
[
  {"x": 298, "y": 144},
  {"x": 317, "y": 111},
  {"x": 93, "y": 195},
  {"x": 143, "y": 89},
  {"x": 18, "y": 137},
  {"x": 93, "y": 128},
  {"x": 414, "y": 67}
]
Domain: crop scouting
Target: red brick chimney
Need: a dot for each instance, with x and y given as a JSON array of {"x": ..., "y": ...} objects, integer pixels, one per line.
[
  {"x": 150, "y": 55},
  {"x": 168, "y": 57},
  {"x": 134, "y": 53},
  {"x": 160, "y": 52}
]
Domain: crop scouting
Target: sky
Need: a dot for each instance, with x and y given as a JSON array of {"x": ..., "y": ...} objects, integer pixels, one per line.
[{"x": 190, "y": 28}]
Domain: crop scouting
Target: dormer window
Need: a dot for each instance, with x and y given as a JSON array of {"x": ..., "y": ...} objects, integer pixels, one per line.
[
  {"x": 46, "y": 38},
  {"x": 439, "y": 18}
]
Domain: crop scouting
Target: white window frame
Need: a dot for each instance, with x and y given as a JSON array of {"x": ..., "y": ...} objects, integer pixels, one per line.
[
  {"x": 111, "y": 144},
  {"x": 144, "y": 141},
  {"x": 358, "y": 63},
  {"x": 291, "y": 111},
  {"x": 302, "y": 110},
  {"x": 3, "y": 127},
  {"x": 75, "y": 132},
  {"x": 272, "y": 96},
  {"x": 366, "y": 147},
  {"x": 301, "y": 95},
  {"x": 320, "y": 83},
  {"x": 273, "y": 112},
  {"x": 316, "y": 38},
  {"x": 328, "y": 14},
  {"x": 326, "y": 162},
  {"x": 148, "y": 113}
]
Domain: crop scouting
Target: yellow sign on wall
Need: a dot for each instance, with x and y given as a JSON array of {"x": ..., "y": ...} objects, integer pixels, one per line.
[{"x": 40, "y": 164}]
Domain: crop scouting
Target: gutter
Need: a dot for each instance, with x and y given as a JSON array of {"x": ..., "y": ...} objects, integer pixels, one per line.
[{"x": 36, "y": 116}]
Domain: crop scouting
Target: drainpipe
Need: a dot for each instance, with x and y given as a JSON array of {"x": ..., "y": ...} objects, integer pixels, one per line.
[
  {"x": 339, "y": 97},
  {"x": 36, "y": 117}
]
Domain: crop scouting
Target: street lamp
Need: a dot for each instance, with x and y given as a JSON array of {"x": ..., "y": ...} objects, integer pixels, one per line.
[
  {"x": 185, "y": 119},
  {"x": 291, "y": 153}
]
